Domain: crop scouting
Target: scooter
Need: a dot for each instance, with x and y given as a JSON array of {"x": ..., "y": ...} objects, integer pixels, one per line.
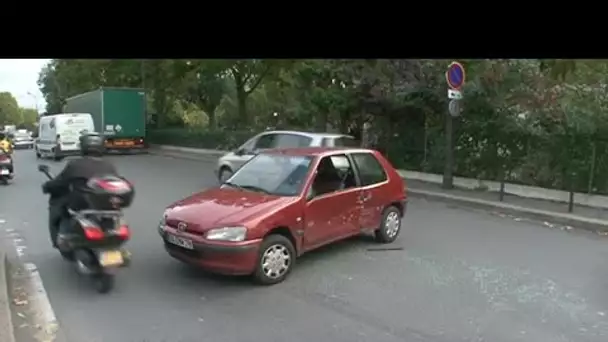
[
  {"x": 93, "y": 238},
  {"x": 6, "y": 167}
]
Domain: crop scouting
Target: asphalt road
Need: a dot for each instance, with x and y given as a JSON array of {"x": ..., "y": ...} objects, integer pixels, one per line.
[{"x": 463, "y": 276}]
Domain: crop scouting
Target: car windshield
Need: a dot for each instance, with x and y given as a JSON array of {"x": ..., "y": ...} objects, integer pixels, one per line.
[{"x": 273, "y": 174}]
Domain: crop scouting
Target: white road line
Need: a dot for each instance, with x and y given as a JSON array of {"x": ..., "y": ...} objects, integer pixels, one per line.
[
  {"x": 43, "y": 313},
  {"x": 41, "y": 305}
]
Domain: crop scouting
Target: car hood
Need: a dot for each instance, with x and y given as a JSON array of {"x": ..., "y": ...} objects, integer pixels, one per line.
[{"x": 218, "y": 207}]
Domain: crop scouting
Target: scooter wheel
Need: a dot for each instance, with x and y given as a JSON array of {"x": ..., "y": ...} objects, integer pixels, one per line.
[{"x": 104, "y": 283}]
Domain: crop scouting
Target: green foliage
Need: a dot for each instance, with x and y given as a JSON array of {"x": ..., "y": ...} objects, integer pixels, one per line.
[
  {"x": 12, "y": 114},
  {"x": 530, "y": 121}
]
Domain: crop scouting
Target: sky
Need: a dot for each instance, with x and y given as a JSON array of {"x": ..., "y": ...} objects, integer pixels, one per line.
[{"x": 20, "y": 77}]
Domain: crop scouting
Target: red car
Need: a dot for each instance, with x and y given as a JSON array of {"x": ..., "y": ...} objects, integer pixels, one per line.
[{"x": 281, "y": 204}]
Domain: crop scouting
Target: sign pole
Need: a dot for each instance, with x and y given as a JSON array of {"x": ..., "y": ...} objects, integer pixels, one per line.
[
  {"x": 448, "y": 175},
  {"x": 455, "y": 77}
]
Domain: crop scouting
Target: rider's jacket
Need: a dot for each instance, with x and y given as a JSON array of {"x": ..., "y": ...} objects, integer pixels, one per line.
[{"x": 6, "y": 146}]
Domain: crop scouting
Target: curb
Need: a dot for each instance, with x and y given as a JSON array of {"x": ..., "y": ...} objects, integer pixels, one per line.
[
  {"x": 585, "y": 223},
  {"x": 6, "y": 321}
]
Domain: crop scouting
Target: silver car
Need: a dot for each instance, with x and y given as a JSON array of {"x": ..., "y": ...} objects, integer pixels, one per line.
[
  {"x": 232, "y": 161},
  {"x": 23, "y": 140}
]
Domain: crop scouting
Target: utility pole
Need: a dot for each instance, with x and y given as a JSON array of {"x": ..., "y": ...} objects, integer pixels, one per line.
[
  {"x": 455, "y": 77},
  {"x": 142, "y": 72}
]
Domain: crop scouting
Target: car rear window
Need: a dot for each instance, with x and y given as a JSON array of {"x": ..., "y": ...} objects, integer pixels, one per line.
[
  {"x": 292, "y": 140},
  {"x": 344, "y": 141},
  {"x": 370, "y": 170}
]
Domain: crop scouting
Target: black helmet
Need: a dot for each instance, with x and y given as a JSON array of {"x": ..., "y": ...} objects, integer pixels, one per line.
[{"x": 91, "y": 144}]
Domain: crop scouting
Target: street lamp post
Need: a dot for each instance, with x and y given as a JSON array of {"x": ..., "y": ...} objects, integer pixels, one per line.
[{"x": 35, "y": 100}]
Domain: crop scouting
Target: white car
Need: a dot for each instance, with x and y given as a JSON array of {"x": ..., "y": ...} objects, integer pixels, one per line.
[
  {"x": 232, "y": 161},
  {"x": 23, "y": 140}
]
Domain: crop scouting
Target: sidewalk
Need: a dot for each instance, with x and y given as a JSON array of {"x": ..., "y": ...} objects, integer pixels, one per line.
[
  {"x": 588, "y": 218},
  {"x": 558, "y": 207},
  {"x": 585, "y": 217}
]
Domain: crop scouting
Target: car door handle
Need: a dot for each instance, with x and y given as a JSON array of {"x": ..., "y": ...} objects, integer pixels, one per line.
[{"x": 365, "y": 197}]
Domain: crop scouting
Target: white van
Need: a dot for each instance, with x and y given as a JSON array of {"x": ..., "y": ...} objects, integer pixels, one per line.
[{"x": 58, "y": 134}]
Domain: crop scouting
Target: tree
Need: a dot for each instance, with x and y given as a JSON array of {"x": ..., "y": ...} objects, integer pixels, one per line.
[
  {"x": 204, "y": 84},
  {"x": 29, "y": 117},
  {"x": 10, "y": 113},
  {"x": 248, "y": 74}
]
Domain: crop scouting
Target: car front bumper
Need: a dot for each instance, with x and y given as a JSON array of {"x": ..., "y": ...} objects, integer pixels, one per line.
[{"x": 236, "y": 258}]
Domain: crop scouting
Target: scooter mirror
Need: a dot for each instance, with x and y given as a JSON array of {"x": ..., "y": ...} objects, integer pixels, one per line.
[{"x": 43, "y": 168}]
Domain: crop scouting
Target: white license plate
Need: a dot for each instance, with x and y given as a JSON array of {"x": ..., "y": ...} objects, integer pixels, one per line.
[
  {"x": 179, "y": 241},
  {"x": 4, "y": 172},
  {"x": 111, "y": 258}
]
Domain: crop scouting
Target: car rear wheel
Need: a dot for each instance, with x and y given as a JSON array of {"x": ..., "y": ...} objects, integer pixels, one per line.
[
  {"x": 225, "y": 174},
  {"x": 276, "y": 258},
  {"x": 390, "y": 225}
]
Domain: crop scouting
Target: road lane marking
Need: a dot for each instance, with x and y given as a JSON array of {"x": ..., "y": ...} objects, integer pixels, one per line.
[{"x": 39, "y": 303}]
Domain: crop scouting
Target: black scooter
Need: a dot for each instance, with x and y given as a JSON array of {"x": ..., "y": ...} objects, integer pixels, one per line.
[{"x": 93, "y": 238}]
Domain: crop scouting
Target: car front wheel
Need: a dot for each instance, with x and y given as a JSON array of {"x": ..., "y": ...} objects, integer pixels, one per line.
[
  {"x": 225, "y": 174},
  {"x": 276, "y": 258},
  {"x": 390, "y": 226}
]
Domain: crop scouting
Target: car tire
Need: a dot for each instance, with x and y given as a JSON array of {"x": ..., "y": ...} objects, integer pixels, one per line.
[
  {"x": 281, "y": 248},
  {"x": 390, "y": 226},
  {"x": 224, "y": 174}
]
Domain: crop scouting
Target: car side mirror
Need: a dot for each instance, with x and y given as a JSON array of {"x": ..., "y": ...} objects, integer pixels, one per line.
[
  {"x": 43, "y": 168},
  {"x": 239, "y": 152}
]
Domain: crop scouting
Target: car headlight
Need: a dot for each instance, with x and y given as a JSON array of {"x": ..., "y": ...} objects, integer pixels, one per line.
[{"x": 234, "y": 234}]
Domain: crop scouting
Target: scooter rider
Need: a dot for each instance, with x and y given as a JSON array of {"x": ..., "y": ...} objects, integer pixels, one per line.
[
  {"x": 7, "y": 147},
  {"x": 76, "y": 173}
]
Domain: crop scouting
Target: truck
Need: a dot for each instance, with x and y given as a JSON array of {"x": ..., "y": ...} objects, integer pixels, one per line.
[{"x": 119, "y": 115}]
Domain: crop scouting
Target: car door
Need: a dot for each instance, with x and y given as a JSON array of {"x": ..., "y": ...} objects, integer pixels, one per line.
[
  {"x": 372, "y": 178},
  {"x": 331, "y": 216}
]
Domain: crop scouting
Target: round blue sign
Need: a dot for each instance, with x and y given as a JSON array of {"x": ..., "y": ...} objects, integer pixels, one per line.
[{"x": 455, "y": 75}]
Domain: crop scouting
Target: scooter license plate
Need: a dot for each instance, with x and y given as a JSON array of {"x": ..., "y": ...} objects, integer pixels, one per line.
[
  {"x": 110, "y": 258},
  {"x": 4, "y": 172}
]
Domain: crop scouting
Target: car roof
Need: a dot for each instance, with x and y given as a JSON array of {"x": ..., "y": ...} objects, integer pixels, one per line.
[
  {"x": 316, "y": 151},
  {"x": 309, "y": 134}
]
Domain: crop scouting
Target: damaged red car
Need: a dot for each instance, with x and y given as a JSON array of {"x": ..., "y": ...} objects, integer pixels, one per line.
[{"x": 282, "y": 204}]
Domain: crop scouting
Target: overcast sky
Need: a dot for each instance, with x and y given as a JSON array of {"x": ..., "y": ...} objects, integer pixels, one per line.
[{"x": 19, "y": 76}]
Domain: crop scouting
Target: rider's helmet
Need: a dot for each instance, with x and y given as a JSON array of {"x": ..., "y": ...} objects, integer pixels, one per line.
[{"x": 91, "y": 144}]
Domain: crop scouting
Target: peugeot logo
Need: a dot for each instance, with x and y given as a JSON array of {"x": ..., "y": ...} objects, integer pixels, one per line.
[{"x": 182, "y": 227}]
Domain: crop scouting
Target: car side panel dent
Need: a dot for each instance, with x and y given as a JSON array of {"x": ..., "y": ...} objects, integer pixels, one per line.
[{"x": 289, "y": 219}]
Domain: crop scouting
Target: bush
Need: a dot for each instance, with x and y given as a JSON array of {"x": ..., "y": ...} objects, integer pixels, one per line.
[{"x": 199, "y": 138}]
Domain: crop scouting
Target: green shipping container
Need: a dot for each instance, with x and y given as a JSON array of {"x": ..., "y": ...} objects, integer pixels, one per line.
[{"x": 118, "y": 113}]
